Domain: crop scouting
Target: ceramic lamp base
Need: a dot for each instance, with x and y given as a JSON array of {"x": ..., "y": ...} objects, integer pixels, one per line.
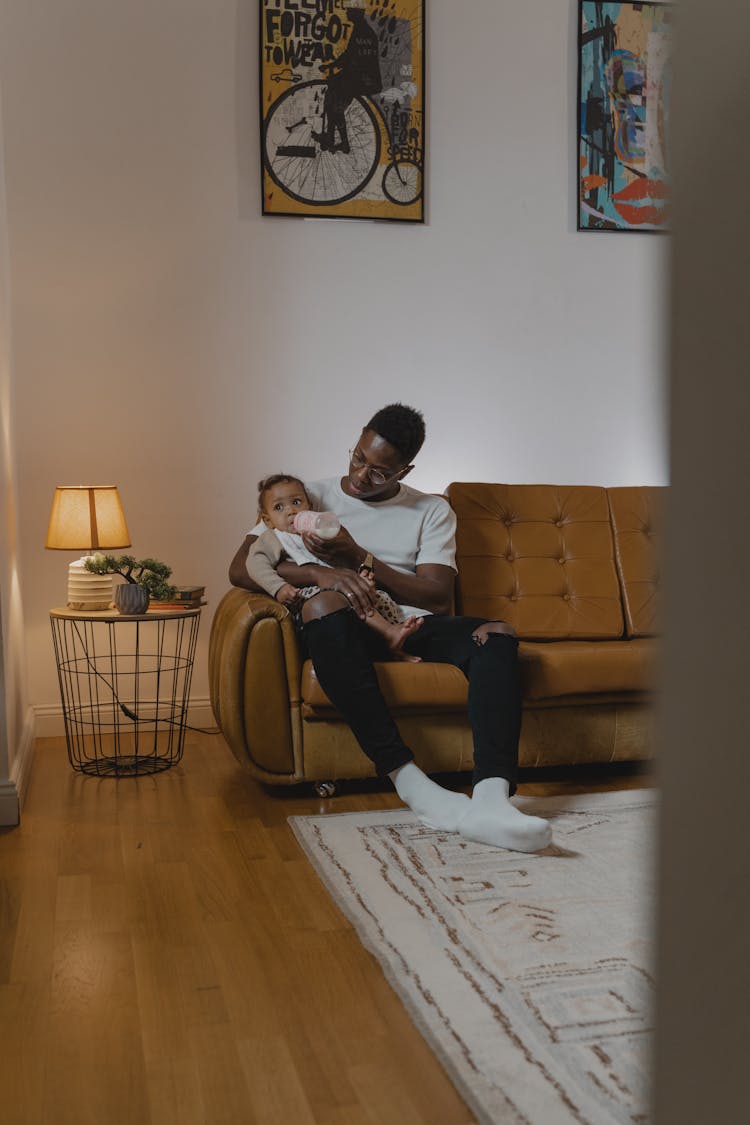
[{"x": 88, "y": 591}]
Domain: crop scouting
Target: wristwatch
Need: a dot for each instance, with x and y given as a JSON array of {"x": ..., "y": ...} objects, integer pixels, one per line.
[{"x": 368, "y": 564}]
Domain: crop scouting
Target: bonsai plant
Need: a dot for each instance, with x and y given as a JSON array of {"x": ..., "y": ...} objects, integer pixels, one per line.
[{"x": 148, "y": 574}]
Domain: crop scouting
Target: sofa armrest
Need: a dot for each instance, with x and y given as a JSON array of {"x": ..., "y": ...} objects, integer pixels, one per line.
[{"x": 254, "y": 676}]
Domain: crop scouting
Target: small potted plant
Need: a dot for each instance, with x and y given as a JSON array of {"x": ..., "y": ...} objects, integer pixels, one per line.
[{"x": 144, "y": 579}]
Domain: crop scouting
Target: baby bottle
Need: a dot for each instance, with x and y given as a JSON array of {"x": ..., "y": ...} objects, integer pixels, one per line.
[{"x": 323, "y": 524}]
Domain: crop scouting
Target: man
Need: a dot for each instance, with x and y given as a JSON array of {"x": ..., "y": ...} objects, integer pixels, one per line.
[{"x": 406, "y": 540}]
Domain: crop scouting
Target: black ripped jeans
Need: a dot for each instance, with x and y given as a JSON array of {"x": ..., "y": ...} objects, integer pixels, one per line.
[{"x": 342, "y": 649}]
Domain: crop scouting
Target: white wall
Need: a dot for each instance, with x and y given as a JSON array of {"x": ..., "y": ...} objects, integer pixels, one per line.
[
  {"x": 171, "y": 340},
  {"x": 16, "y": 716}
]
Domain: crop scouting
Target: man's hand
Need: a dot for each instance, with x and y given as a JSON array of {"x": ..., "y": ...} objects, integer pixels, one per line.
[
  {"x": 341, "y": 551},
  {"x": 356, "y": 590}
]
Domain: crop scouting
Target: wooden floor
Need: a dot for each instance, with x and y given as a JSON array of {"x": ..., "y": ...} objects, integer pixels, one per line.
[{"x": 168, "y": 957}]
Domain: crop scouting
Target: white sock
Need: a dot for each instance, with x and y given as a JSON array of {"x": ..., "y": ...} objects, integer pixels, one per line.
[
  {"x": 436, "y": 807},
  {"x": 492, "y": 819}
]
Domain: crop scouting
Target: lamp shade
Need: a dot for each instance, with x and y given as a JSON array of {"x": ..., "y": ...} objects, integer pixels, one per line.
[{"x": 87, "y": 517}]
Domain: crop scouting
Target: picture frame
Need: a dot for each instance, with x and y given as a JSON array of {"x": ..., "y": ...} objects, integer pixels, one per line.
[
  {"x": 624, "y": 84},
  {"x": 342, "y": 114}
]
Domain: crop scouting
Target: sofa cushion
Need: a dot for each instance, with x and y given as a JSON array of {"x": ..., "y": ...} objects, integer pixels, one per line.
[
  {"x": 440, "y": 687},
  {"x": 637, "y": 515},
  {"x": 563, "y": 668},
  {"x": 549, "y": 670},
  {"x": 540, "y": 557}
]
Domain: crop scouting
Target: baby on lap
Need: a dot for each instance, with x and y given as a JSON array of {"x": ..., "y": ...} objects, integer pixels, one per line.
[{"x": 280, "y": 498}]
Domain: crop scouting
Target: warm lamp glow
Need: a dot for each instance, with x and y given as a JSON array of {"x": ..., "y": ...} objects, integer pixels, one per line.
[{"x": 87, "y": 518}]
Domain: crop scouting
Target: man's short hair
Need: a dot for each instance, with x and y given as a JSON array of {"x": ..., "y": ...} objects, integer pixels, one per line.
[{"x": 402, "y": 427}]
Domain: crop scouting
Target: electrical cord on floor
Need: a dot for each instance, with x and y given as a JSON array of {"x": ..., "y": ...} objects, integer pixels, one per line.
[
  {"x": 156, "y": 719},
  {"x": 127, "y": 711}
]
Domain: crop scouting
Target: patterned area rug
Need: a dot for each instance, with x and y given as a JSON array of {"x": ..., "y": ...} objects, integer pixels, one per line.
[{"x": 529, "y": 975}]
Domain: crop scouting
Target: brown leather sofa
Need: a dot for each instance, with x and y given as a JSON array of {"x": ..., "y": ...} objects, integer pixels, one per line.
[{"x": 574, "y": 569}]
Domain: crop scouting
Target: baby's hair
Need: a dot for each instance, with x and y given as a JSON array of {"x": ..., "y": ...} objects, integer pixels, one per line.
[{"x": 268, "y": 483}]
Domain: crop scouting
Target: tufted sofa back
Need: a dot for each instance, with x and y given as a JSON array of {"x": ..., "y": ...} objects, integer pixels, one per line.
[
  {"x": 637, "y": 517},
  {"x": 540, "y": 557}
]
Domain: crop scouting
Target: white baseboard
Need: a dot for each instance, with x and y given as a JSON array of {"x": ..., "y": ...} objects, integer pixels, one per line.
[
  {"x": 50, "y": 722},
  {"x": 13, "y": 789}
]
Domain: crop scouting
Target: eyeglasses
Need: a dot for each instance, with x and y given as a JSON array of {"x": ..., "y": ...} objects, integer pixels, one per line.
[{"x": 376, "y": 476}]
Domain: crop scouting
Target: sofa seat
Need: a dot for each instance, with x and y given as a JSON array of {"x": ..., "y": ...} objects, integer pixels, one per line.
[
  {"x": 405, "y": 686},
  {"x": 550, "y": 671},
  {"x": 563, "y": 668}
]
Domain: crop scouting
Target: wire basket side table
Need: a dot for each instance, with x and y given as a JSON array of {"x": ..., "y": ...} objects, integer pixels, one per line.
[{"x": 124, "y": 687}]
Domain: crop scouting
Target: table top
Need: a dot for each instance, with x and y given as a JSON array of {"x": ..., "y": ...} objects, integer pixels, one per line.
[{"x": 114, "y": 615}]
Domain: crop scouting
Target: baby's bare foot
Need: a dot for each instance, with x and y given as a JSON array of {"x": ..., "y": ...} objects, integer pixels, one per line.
[{"x": 399, "y": 635}]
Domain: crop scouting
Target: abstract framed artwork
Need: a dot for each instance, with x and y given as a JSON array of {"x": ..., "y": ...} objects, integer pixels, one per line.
[
  {"x": 624, "y": 83},
  {"x": 342, "y": 87}
]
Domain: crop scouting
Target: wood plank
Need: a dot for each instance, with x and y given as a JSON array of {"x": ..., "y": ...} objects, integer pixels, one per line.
[
  {"x": 276, "y": 1089},
  {"x": 94, "y": 1068}
]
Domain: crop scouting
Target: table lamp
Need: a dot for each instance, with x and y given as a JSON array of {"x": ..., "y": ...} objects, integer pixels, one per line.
[{"x": 88, "y": 518}]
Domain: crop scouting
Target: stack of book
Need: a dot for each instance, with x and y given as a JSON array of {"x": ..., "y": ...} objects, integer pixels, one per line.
[{"x": 184, "y": 597}]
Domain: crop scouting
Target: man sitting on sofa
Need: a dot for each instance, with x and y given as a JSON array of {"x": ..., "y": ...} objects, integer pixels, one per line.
[{"x": 406, "y": 539}]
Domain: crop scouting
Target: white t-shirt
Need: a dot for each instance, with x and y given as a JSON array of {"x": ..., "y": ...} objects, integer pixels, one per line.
[{"x": 411, "y": 529}]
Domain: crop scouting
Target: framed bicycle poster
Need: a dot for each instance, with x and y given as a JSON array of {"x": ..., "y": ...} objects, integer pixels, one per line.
[
  {"x": 342, "y": 108},
  {"x": 624, "y": 83}
]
